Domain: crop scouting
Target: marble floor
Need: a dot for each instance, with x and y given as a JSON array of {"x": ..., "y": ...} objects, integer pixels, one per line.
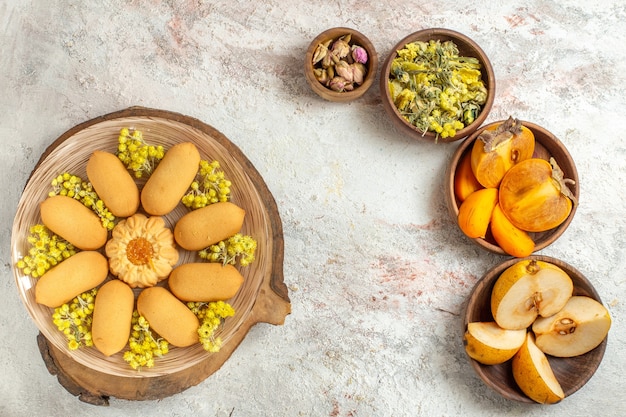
[{"x": 377, "y": 272}]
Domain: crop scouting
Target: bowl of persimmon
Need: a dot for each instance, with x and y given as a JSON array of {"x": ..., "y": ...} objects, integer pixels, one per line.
[
  {"x": 535, "y": 329},
  {"x": 512, "y": 187}
]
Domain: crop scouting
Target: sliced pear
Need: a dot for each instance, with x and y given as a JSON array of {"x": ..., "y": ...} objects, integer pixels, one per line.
[
  {"x": 578, "y": 328},
  {"x": 490, "y": 344},
  {"x": 533, "y": 374},
  {"x": 527, "y": 289}
]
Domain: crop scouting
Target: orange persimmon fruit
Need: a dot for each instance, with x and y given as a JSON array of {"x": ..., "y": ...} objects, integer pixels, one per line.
[
  {"x": 511, "y": 239},
  {"x": 498, "y": 148},
  {"x": 465, "y": 181},
  {"x": 475, "y": 212},
  {"x": 534, "y": 195}
]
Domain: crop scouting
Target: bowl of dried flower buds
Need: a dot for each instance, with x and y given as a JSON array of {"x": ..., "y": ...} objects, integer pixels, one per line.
[
  {"x": 437, "y": 85},
  {"x": 340, "y": 64}
]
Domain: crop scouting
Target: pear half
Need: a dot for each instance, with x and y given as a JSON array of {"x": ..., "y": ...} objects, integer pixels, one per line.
[
  {"x": 533, "y": 374},
  {"x": 527, "y": 289},
  {"x": 578, "y": 328},
  {"x": 490, "y": 344}
]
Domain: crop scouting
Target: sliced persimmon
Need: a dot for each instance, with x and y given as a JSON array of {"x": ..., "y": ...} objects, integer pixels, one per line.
[
  {"x": 475, "y": 212},
  {"x": 498, "y": 148},
  {"x": 465, "y": 182},
  {"x": 534, "y": 196}
]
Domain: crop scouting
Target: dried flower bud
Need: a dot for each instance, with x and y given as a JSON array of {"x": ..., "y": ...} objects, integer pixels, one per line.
[
  {"x": 321, "y": 75},
  {"x": 327, "y": 60},
  {"x": 340, "y": 48},
  {"x": 358, "y": 72},
  {"x": 320, "y": 52},
  {"x": 359, "y": 54},
  {"x": 343, "y": 69},
  {"x": 339, "y": 84},
  {"x": 330, "y": 71}
]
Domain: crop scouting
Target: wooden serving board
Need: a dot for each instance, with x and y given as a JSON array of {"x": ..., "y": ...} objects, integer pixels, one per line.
[{"x": 271, "y": 305}]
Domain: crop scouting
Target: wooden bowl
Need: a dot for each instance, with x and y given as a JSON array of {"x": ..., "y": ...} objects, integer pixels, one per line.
[
  {"x": 572, "y": 373},
  {"x": 467, "y": 47},
  {"x": 546, "y": 145},
  {"x": 357, "y": 38},
  {"x": 262, "y": 298}
]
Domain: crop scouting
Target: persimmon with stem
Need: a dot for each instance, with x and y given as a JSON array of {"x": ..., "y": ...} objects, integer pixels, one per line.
[
  {"x": 498, "y": 148},
  {"x": 535, "y": 196}
]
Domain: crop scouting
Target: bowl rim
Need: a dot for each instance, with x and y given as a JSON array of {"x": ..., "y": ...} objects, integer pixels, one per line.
[
  {"x": 372, "y": 65},
  {"x": 486, "y": 283},
  {"x": 437, "y": 33},
  {"x": 465, "y": 146}
]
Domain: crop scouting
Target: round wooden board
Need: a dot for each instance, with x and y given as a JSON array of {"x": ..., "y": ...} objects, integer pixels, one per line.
[{"x": 271, "y": 306}]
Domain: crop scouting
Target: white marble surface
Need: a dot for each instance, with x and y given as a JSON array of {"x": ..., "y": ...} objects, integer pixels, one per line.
[{"x": 377, "y": 271}]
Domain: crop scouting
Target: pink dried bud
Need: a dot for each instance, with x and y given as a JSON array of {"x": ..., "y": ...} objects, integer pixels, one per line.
[
  {"x": 343, "y": 69},
  {"x": 359, "y": 54},
  {"x": 358, "y": 72},
  {"x": 340, "y": 84},
  {"x": 340, "y": 48}
]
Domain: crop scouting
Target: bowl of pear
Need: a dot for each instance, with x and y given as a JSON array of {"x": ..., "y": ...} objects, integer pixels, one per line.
[{"x": 535, "y": 329}]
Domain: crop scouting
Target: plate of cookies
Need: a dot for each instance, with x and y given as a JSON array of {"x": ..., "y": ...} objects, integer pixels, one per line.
[{"x": 144, "y": 247}]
